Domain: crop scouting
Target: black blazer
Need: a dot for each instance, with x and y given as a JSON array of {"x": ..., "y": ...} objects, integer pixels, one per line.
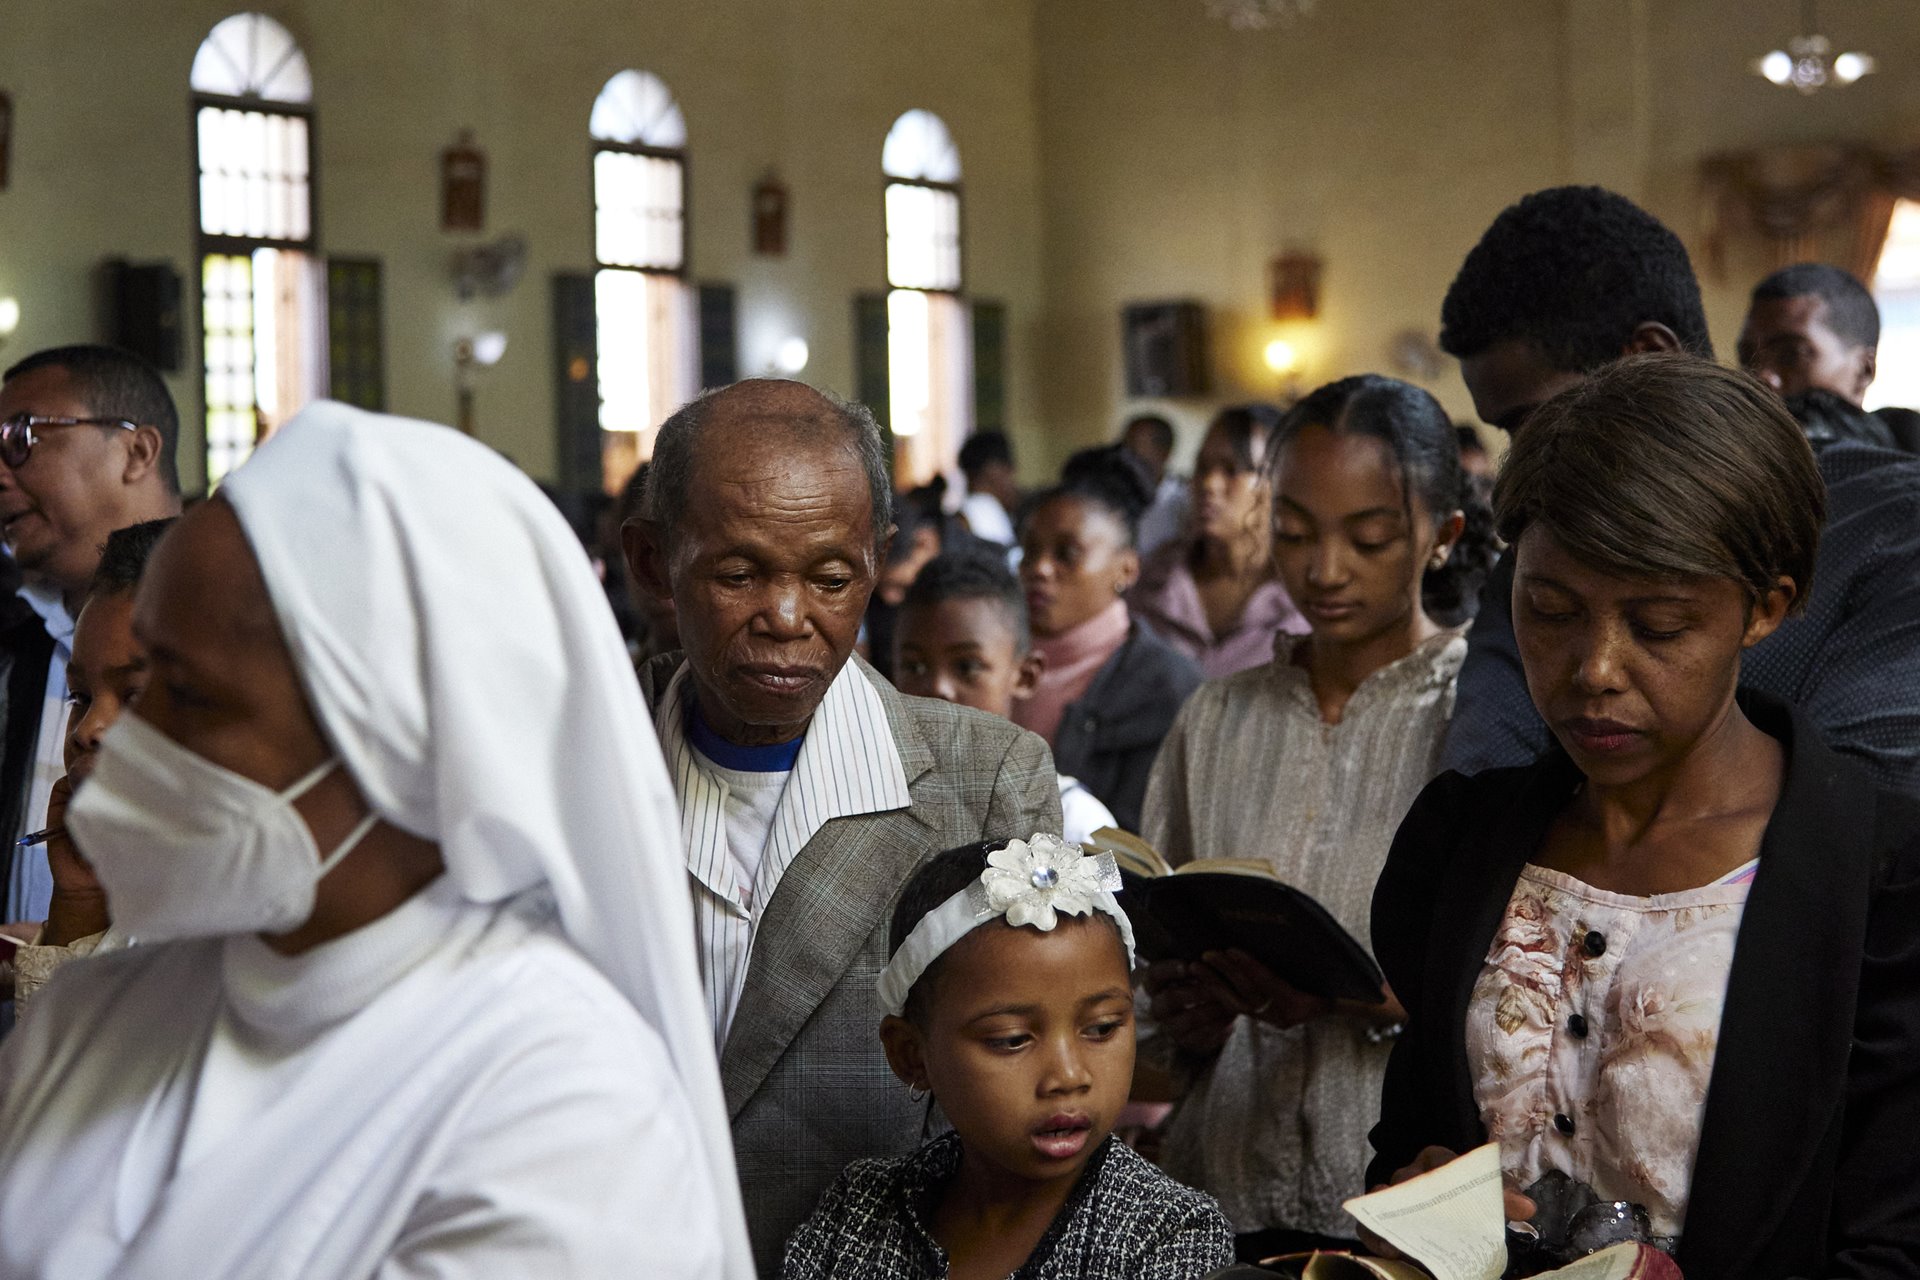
[
  {"x": 1809, "y": 1153},
  {"x": 1109, "y": 735},
  {"x": 25, "y": 650}
]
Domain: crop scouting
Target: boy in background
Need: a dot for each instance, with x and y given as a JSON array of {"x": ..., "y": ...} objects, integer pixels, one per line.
[{"x": 961, "y": 636}]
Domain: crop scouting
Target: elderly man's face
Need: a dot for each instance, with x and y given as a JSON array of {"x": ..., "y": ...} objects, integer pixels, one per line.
[{"x": 771, "y": 569}]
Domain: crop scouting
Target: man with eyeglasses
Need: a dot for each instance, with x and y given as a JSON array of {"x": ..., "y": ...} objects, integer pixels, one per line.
[{"x": 87, "y": 437}]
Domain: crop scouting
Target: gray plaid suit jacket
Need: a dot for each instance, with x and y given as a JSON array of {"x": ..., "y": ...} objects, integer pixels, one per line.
[{"x": 807, "y": 1087}]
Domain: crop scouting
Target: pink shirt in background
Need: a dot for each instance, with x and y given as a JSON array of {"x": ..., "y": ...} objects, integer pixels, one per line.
[
  {"x": 1073, "y": 657},
  {"x": 1168, "y": 598}
]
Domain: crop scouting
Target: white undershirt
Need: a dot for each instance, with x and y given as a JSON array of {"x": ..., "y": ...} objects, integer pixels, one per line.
[
  {"x": 752, "y": 798},
  {"x": 1081, "y": 813}
]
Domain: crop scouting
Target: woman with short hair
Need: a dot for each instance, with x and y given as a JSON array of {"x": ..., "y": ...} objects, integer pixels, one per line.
[{"x": 1678, "y": 958}]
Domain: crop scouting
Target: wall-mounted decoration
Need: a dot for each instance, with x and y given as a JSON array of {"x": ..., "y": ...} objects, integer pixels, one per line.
[
  {"x": 6, "y": 133},
  {"x": 1166, "y": 348},
  {"x": 1806, "y": 203},
  {"x": 489, "y": 270},
  {"x": 463, "y": 185},
  {"x": 1293, "y": 281},
  {"x": 770, "y": 217}
]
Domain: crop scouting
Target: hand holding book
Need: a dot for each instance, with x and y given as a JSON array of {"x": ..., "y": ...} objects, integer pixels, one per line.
[
  {"x": 1447, "y": 1221},
  {"x": 1256, "y": 991},
  {"x": 1214, "y": 907}
]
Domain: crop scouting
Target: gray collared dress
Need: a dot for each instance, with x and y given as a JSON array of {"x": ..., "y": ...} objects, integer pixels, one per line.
[{"x": 1275, "y": 1127}]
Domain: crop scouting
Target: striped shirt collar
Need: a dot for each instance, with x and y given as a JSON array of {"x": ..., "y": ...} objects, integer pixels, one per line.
[{"x": 849, "y": 764}]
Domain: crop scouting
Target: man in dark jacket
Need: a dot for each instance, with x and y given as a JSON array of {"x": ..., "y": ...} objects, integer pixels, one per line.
[
  {"x": 1573, "y": 278},
  {"x": 1813, "y": 327},
  {"x": 87, "y": 437}
]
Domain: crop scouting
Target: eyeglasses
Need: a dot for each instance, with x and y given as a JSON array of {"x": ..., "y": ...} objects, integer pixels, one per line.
[{"x": 18, "y": 433}]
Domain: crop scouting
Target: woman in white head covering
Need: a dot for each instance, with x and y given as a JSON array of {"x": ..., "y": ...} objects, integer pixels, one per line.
[{"x": 415, "y": 993}]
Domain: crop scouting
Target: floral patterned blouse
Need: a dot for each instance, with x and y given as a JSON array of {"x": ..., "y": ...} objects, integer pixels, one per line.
[{"x": 1592, "y": 1033}]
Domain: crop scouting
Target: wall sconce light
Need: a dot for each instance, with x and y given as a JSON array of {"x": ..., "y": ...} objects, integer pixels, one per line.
[
  {"x": 481, "y": 351},
  {"x": 790, "y": 357},
  {"x": 1282, "y": 357},
  {"x": 9, "y": 318},
  {"x": 1285, "y": 357}
]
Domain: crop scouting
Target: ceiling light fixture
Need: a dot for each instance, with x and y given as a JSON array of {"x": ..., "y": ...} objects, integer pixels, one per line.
[
  {"x": 1254, "y": 15},
  {"x": 1808, "y": 63}
]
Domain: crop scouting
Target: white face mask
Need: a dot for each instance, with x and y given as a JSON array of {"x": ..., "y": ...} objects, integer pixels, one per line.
[{"x": 188, "y": 849}]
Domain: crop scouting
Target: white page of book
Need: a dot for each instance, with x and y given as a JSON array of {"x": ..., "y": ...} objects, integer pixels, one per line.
[{"x": 1451, "y": 1220}]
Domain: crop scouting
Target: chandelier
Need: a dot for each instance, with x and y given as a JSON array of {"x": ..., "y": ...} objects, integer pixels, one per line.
[
  {"x": 1252, "y": 15},
  {"x": 1808, "y": 63}
]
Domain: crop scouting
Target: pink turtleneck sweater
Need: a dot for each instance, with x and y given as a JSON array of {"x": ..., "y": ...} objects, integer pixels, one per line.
[{"x": 1073, "y": 657}]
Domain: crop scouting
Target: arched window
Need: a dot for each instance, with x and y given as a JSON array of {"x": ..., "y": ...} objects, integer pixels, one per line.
[
  {"x": 928, "y": 340},
  {"x": 1896, "y": 287},
  {"x": 262, "y": 313},
  {"x": 646, "y": 354}
]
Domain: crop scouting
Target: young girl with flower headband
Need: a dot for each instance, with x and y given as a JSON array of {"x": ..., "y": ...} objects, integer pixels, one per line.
[{"x": 1008, "y": 1000}]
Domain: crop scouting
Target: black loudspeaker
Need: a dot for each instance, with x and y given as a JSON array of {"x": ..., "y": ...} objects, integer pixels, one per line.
[
  {"x": 1166, "y": 346},
  {"x": 146, "y": 312}
]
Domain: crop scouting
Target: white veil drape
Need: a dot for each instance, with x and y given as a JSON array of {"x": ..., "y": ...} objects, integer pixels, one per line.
[{"x": 461, "y": 657}]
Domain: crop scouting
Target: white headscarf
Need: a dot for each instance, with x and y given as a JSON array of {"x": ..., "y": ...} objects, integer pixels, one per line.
[{"x": 461, "y": 657}]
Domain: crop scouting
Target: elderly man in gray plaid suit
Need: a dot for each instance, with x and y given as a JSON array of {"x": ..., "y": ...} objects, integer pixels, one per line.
[{"x": 810, "y": 789}]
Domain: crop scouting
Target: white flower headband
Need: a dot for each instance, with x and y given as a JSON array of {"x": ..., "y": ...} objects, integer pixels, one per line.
[{"x": 1030, "y": 882}]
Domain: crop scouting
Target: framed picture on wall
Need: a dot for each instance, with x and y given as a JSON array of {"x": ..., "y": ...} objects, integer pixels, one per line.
[{"x": 1166, "y": 349}]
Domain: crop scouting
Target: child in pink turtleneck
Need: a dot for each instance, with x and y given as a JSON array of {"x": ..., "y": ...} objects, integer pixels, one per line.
[{"x": 1110, "y": 687}]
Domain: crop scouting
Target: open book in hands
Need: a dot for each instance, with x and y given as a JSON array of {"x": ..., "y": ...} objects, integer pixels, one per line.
[
  {"x": 1225, "y": 904},
  {"x": 1451, "y": 1222}
]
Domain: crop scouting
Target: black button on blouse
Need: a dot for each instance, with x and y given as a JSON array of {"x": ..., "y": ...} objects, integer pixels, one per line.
[
  {"x": 1578, "y": 1026},
  {"x": 1595, "y": 943},
  {"x": 1564, "y": 1123}
]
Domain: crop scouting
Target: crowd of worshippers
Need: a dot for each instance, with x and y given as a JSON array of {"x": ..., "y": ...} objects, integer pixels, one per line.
[{"x": 354, "y": 864}]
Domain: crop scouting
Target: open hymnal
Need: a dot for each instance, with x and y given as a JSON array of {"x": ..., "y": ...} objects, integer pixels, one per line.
[
  {"x": 1222, "y": 904},
  {"x": 1451, "y": 1223}
]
